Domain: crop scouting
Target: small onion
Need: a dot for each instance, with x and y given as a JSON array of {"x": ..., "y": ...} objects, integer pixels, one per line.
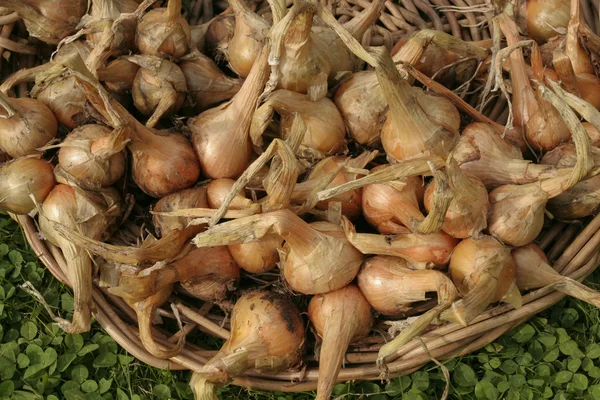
[
  {"x": 22, "y": 178},
  {"x": 164, "y": 32}
]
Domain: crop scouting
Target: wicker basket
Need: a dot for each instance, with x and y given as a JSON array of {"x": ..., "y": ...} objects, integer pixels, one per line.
[{"x": 573, "y": 248}]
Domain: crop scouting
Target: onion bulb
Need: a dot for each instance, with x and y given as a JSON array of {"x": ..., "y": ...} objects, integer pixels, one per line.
[
  {"x": 159, "y": 88},
  {"x": 391, "y": 287},
  {"x": 468, "y": 211},
  {"x": 409, "y": 131},
  {"x": 391, "y": 207},
  {"x": 22, "y": 178},
  {"x": 245, "y": 45},
  {"x": 361, "y": 100},
  {"x": 533, "y": 272},
  {"x": 49, "y": 21},
  {"x": 162, "y": 162},
  {"x": 304, "y": 57},
  {"x": 220, "y": 135},
  {"x": 25, "y": 125},
  {"x": 580, "y": 201},
  {"x": 325, "y": 129},
  {"x": 92, "y": 214},
  {"x": 254, "y": 257},
  {"x": 580, "y": 59},
  {"x": 207, "y": 84},
  {"x": 93, "y": 154},
  {"x": 218, "y": 34},
  {"x": 119, "y": 74},
  {"x": 180, "y": 200},
  {"x": 267, "y": 334},
  {"x": 421, "y": 251},
  {"x": 482, "y": 153},
  {"x": 208, "y": 274},
  {"x": 483, "y": 271},
  {"x": 103, "y": 13},
  {"x": 164, "y": 32},
  {"x": 340, "y": 317},
  {"x": 316, "y": 258},
  {"x": 544, "y": 128},
  {"x": 350, "y": 201},
  {"x": 544, "y": 17}
]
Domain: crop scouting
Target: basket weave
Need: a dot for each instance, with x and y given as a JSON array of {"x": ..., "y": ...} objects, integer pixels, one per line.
[{"x": 573, "y": 248}]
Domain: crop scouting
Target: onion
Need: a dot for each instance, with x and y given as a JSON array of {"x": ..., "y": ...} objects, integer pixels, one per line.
[
  {"x": 254, "y": 257},
  {"x": 218, "y": 34},
  {"x": 517, "y": 214},
  {"x": 181, "y": 200},
  {"x": 162, "y": 162},
  {"x": 326, "y": 131},
  {"x": 207, "y": 273},
  {"x": 119, "y": 74},
  {"x": 103, "y": 13},
  {"x": 533, "y": 272},
  {"x": 164, "y": 32},
  {"x": 391, "y": 287},
  {"x": 316, "y": 258},
  {"x": 350, "y": 201},
  {"x": 159, "y": 88},
  {"x": 544, "y": 128},
  {"x": 50, "y": 21},
  {"x": 92, "y": 214},
  {"x": 304, "y": 60},
  {"x": 267, "y": 334},
  {"x": 421, "y": 251},
  {"x": 22, "y": 178},
  {"x": 362, "y": 102},
  {"x": 484, "y": 272},
  {"x": 245, "y": 45},
  {"x": 220, "y": 135},
  {"x": 544, "y": 17},
  {"x": 93, "y": 154},
  {"x": 25, "y": 125},
  {"x": 391, "y": 207},
  {"x": 582, "y": 64},
  {"x": 340, "y": 317},
  {"x": 469, "y": 208},
  {"x": 482, "y": 153},
  {"x": 207, "y": 84}
]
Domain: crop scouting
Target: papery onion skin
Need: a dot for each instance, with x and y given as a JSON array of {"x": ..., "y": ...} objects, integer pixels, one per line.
[
  {"x": 389, "y": 209},
  {"x": 391, "y": 286},
  {"x": 254, "y": 257},
  {"x": 183, "y": 199},
  {"x": 300, "y": 275},
  {"x": 107, "y": 11},
  {"x": 580, "y": 201},
  {"x": 149, "y": 171},
  {"x": 517, "y": 213},
  {"x": 340, "y": 317},
  {"x": 544, "y": 16},
  {"x": 207, "y": 84},
  {"x": 157, "y": 36},
  {"x": 21, "y": 178},
  {"x": 50, "y": 21},
  {"x": 267, "y": 334},
  {"x": 119, "y": 74},
  {"x": 361, "y": 102},
  {"x": 85, "y": 165},
  {"x": 22, "y": 136},
  {"x": 66, "y": 100}
]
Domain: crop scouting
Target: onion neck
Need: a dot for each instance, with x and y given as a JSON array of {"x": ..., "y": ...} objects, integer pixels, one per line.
[
  {"x": 79, "y": 273},
  {"x": 173, "y": 11},
  {"x": 299, "y": 32},
  {"x": 358, "y": 25},
  {"x": 245, "y": 101},
  {"x": 144, "y": 312}
]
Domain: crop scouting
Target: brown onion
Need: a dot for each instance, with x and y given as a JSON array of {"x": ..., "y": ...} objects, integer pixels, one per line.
[
  {"x": 105, "y": 12},
  {"x": 207, "y": 84},
  {"x": 247, "y": 41},
  {"x": 22, "y": 178},
  {"x": 119, "y": 74},
  {"x": 483, "y": 271},
  {"x": 159, "y": 88},
  {"x": 25, "y": 125},
  {"x": 93, "y": 154},
  {"x": 267, "y": 334},
  {"x": 164, "y": 32},
  {"x": 545, "y": 16},
  {"x": 340, "y": 317}
]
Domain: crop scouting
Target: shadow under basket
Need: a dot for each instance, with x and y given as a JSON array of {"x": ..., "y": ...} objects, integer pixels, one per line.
[{"x": 573, "y": 247}]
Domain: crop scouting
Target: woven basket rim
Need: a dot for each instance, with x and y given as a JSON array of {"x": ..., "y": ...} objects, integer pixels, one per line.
[{"x": 579, "y": 256}]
